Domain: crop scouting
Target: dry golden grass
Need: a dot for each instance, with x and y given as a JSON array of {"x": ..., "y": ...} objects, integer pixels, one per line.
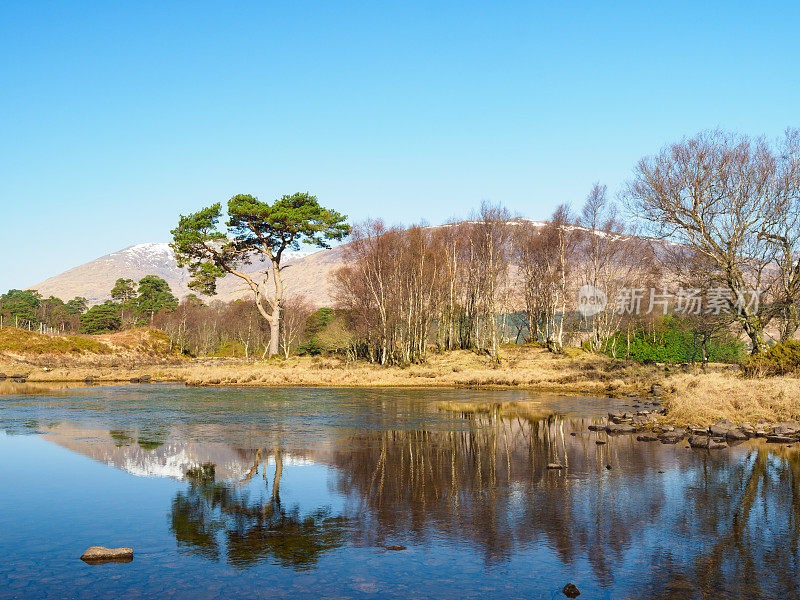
[
  {"x": 526, "y": 368},
  {"x": 697, "y": 397},
  {"x": 707, "y": 397}
]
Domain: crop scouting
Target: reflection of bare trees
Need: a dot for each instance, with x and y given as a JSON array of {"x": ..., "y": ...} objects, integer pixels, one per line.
[
  {"x": 212, "y": 516},
  {"x": 488, "y": 486},
  {"x": 750, "y": 527}
]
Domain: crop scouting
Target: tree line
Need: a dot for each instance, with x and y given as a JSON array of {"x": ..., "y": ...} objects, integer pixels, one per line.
[
  {"x": 722, "y": 211},
  {"x": 132, "y": 305}
]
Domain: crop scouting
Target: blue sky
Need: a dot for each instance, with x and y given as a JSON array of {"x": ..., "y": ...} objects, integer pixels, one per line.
[{"x": 118, "y": 116}]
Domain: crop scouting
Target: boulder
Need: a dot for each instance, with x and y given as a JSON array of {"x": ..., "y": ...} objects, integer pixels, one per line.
[
  {"x": 747, "y": 429},
  {"x": 698, "y": 430},
  {"x": 720, "y": 428},
  {"x": 647, "y": 437},
  {"x": 618, "y": 416},
  {"x": 97, "y": 555},
  {"x": 706, "y": 443},
  {"x": 641, "y": 421},
  {"x": 144, "y": 378},
  {"x": 780, "y": 439},
  {"x": 786, "y": 428},
  {"x": 672, "y": 437},
  {"x": 571, "y": 591},
  {"x": 554, "y": 466},
  {"x": 620, "y": 428},
  {"x": 736, "y": 434}
]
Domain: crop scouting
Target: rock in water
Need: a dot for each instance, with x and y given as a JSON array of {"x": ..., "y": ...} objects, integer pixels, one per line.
[
  {"x": 620, "y": 428},
  {"x": 98, "y": 555},
  {"x": 705, "y": 443},
  {"x": 571, "y": 591},
  {"x": 720, "y": 428},
  {"x": 554, "y": 466},
  {"x": 736, "y": 435}
]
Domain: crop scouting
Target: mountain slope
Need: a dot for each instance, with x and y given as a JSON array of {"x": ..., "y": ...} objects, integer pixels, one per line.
[{"x": 304, "y": 274}]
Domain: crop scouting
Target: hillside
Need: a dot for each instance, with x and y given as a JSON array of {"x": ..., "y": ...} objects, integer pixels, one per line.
[{"x": 304, "y": 274}]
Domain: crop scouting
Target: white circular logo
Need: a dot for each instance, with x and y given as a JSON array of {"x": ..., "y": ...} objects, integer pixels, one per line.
[{"x": 591, "y": 301}]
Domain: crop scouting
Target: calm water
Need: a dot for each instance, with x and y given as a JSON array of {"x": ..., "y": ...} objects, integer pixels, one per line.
[{"x": 309, "y": 487}]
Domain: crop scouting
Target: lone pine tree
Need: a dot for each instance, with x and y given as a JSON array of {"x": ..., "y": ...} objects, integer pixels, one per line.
[{"x": 255, "y": 230}]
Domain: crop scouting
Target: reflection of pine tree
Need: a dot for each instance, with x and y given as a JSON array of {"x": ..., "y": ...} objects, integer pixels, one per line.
[{"x": 252, "y": 532}]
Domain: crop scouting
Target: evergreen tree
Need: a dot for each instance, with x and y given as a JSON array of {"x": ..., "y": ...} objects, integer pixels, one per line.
[
  {"x": 102, "y": 318},
  {"x": 154, "y": 295},
  {"x": 258, "y": 230}
]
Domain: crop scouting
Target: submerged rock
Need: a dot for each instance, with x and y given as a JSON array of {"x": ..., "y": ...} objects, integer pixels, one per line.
[
  {"x": 554, "y": 466},
  {"x": 97, "y": 555},
  {"x": 571, "y": 591}
]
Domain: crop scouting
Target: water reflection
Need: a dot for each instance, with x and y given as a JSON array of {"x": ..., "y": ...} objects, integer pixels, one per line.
[
  {"x": 454, "y": 478},
  {"x": 251, "y": 531}
]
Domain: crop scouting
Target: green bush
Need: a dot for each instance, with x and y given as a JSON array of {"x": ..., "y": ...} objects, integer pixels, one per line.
[
  {"x": 102, "y": 318},
  {"x": 315, "y": 328},
  {"x": 779, "y": 359},
  {"x": 673, "y": 340}
]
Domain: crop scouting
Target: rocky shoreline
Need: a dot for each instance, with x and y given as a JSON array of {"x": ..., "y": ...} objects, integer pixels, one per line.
[{"x": 649, "y": 427}]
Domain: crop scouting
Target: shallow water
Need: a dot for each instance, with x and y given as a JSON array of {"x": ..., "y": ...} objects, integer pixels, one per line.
[{"x": 456, "y": 478}]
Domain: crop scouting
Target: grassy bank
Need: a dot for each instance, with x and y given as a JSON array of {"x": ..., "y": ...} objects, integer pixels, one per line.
[{"x": 692, "y": 396}]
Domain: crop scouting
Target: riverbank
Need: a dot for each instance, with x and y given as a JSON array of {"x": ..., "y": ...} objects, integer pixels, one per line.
[{"x": 691, "y": 396}]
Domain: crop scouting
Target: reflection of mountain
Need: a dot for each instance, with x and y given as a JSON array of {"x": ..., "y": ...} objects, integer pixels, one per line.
[
  {"x": 155, "y": 454},
  {"x": 677, "y": 522}
]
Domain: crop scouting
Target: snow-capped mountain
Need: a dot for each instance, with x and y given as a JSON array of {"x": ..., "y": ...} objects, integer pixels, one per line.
[{"x": 306, "y": 273}]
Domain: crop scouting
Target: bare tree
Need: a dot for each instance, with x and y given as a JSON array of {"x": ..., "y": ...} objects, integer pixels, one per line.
[
  {"x": 296, "y": 311},
  {"x": 727, "y": 196},
  {"x": 610, "y": 261}
]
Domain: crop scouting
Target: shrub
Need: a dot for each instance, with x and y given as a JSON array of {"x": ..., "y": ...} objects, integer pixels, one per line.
[
  {"x": 779, "y": 359},
  {"x": 673, "y": 340}
]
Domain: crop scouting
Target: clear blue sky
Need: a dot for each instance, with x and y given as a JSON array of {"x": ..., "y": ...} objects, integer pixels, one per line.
[{"x": 118, "y": 116}]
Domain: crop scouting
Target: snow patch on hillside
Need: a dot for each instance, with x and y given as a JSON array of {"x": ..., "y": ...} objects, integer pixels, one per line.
[{"x": 160, "y": 253}]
